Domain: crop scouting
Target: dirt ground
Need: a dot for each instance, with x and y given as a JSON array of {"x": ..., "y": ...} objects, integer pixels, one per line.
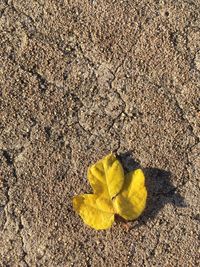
[{"x": 79, "y": 79}]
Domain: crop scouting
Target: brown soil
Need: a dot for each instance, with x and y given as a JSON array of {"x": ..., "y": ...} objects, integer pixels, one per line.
[{"x": 79, "y": 79}]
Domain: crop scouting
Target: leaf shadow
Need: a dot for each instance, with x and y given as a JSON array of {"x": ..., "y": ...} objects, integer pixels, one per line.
[{"x": 160, "y": 189}]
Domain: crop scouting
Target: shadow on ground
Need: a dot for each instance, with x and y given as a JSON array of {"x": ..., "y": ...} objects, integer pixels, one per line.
[{"x": 160, "y": 189}]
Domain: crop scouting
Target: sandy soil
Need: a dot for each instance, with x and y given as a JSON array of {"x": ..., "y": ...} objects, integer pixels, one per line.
[{"x": 79, "y": 79}]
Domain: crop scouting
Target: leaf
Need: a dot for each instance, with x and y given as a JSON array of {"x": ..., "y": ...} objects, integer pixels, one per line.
[
  {"x": 112, "y": 194},
  {"x": 106, "y": 177},
  {"x": 95, "y": 211},
  {"x": 131, "y": 201}
]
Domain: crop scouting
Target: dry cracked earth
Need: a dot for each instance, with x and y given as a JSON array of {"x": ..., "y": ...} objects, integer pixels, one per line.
[{"x": 79, "y": 79}]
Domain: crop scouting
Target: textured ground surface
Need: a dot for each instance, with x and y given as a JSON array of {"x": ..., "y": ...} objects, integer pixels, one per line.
[{"x": 79, "y": 79}]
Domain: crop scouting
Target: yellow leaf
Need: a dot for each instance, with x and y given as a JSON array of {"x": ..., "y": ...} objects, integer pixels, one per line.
[
  {"x": 112, "y": 194},
  {"x": 131, "y": 201},
  {"x": 106, "y": 177},
  {"x": 95, "y": 211}
]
